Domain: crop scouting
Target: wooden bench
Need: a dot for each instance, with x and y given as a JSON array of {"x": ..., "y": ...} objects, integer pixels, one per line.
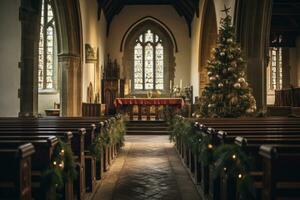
[
  {"x": 281, "y": 177},
  {"x": 15, "y": 172},
  {"x": 41, "y": 160},
  {"x": 77, "y": 145},
  {"x": 55, "y": 126},
  {"x": 260, "y": 128}
]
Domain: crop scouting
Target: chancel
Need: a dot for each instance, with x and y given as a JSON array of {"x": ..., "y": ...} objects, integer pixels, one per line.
[{"x": 149, "y": 99}]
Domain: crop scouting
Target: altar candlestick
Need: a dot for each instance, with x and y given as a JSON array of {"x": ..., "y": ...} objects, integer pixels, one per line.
[
  {"x": 119, "y": 87},
  {"x": 129, "y": 86},
  {"x": 171, "y": 85}
]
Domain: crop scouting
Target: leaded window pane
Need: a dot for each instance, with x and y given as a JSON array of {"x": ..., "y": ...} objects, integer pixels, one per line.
[
  {"x": 149, "y": 36},
  {"x": 276, "y": 68},
  {"x": 138, "y": 67},
  {"x": 159, "y": 74},
  {"x": 148, "y": 67},
  {"x": 46, "y": 75},
  {"x": 148, "y": 62}
]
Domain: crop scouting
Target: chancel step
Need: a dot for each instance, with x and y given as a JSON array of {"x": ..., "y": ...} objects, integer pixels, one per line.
[{"x": 147, "y": 128}]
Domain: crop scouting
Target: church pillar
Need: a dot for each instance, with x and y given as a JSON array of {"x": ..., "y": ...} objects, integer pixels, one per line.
[
  {"x": 70, "y": 97},
  {"x": 30, "y": 23},
  {"x": 256, "y": 74},
  {"x": 286, "y": 82},
  {"x": 253, "y": 21}
]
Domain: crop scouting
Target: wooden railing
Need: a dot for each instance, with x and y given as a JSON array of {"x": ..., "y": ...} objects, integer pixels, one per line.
[
  {"x": 156, "y": 108},
  {"x": 287, "y": 97}
]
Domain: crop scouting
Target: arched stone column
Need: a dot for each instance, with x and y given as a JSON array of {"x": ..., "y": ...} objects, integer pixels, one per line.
[
  {"x": 69, "y": 34},
  {"x": 69, "y": 39},
  {"x": 252, "y": 21},
  {"x": 208, "y": 39}
]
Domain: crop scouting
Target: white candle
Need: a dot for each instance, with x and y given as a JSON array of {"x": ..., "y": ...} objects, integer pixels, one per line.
[
  {"x": 119, "y": 87},
  {"x": 170, "y": 85},
  {"x": 180, "y": 85},
  {"x": 129, "y": 86}
]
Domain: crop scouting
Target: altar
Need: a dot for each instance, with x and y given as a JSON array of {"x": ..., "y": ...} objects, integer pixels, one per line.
[{"x": 147, "y": 106}]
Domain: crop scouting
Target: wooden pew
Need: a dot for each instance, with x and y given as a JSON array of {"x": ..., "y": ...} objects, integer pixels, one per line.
[
  {"x": 281, "y": 177},
  {"x": 58, "y": 124},
  {"x": 249, "y": 128},
  {"x": 77, "y": 145},
  {"x": 68, "y": 186},
  {"x": 15, "y": 172},
  {"x": 41, "y": 159}
]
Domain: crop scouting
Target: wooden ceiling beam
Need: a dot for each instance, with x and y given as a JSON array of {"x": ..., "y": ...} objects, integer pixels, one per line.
[{"x": 185, "y": 8}]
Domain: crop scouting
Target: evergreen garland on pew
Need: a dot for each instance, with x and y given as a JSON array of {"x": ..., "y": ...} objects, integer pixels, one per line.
[
  {"x": 69, "y": 171},
  {"x": 226, "y": 158},
  {"x": 100, "y": 140},
  {"x": 181, "y": 128},
  {"x": 111, "y": 134},
  {"x": 233, "y": 161},
  {"x": 62, "y": 168},
  {"x": 120, "y": 130},
  {"x": 205, "y": 149}
]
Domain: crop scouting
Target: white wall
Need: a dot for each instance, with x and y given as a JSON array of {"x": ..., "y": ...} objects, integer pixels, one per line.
[
  {"x": 167, "y": 14},
  {"x": 10, "y": 52},
  {"x": 94, "y": 33},
  {"x": 46, "y": 101}
]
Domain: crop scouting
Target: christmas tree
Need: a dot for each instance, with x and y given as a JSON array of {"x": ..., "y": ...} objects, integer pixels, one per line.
[{"x": 227, "y": 93}]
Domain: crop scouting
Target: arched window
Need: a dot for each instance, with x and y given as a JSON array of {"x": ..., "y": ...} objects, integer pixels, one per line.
[
  {"x": 47, "y": 49},
  {"x": 148, "y": 62},
  {"x": 276, "y": 68}
]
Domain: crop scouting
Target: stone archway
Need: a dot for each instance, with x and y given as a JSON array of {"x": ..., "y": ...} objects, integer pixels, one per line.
[
  {"x": 69, "y": 34},
  {"x": 252, "y": 21},
  {"x": 169, "y": 43},
  {"x": 208, "y": 39}
]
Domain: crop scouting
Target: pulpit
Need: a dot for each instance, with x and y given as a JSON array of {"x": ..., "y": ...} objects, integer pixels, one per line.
[{"x": 145, "y": 105}]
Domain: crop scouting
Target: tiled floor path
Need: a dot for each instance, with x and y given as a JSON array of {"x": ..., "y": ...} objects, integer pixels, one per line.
[{"x": 148, "y": 169}]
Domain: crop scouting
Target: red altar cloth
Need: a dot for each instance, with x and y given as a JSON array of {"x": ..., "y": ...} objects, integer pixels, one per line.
[{"x": 149, "y": 101}]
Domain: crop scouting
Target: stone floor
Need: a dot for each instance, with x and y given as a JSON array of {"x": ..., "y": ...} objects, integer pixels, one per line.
[{"x": 148, "y": 168}]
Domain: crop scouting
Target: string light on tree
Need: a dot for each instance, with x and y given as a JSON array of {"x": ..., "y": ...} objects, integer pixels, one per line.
[{"x": 240, "y": 176}]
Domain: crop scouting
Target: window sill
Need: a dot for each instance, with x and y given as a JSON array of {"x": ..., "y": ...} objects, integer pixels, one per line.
[{"x": 48, "y": 91}]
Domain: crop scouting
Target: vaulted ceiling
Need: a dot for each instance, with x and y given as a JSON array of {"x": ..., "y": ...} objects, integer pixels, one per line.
[
  {"x": 185, "y": 8},
  {"x": 286, "y": 21}
]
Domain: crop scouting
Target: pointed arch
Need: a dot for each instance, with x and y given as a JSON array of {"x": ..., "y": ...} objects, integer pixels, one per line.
[
  {"x": 161, "y": 60},
  {"x": 144, "y": 19},
  {"x": 70, "y": 52},
  {"x": 69, "y": 43},
  {"x": 208, "y": 39}
]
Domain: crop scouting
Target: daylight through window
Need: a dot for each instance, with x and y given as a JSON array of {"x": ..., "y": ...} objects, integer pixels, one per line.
[
  {"x": 148, "y": 62},
  {"x": 46, "y": 70}
]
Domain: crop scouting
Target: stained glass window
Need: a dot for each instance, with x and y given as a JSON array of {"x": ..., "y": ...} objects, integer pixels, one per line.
[
  {"x": 276, "y": 68},
  {"x": 46, "y": 69},
  {"x": 148, "y": 62}
]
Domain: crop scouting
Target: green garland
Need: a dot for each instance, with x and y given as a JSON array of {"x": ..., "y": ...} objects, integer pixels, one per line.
[
  {"x": 62, "y": 168},
  {"x": 232, "y": 160},
  {"x": 111, "y": 134},
  {"x": 226, "y": 158}
]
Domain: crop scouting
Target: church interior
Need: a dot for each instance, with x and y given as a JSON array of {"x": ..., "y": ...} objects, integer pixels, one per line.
[{"x": 149, "y": 99}]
